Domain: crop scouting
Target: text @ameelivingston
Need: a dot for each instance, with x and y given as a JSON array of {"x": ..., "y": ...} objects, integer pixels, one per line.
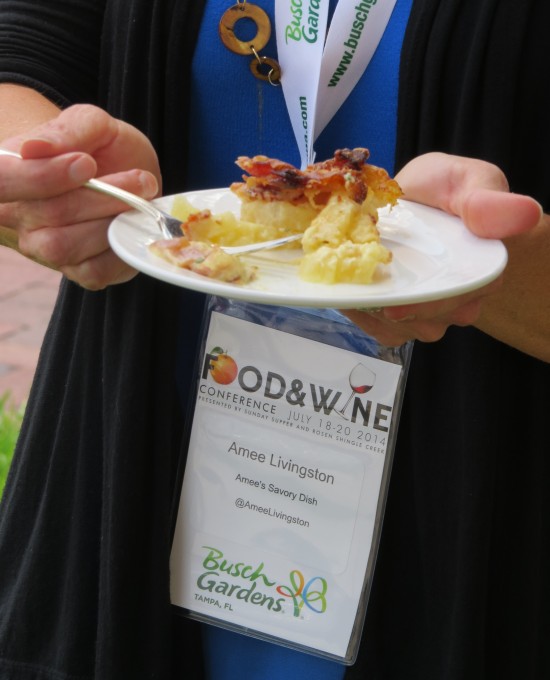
[{"x": 244, "y": 504}]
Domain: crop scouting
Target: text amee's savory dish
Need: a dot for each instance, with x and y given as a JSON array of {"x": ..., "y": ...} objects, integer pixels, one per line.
[{"x": 333, "y": 203}]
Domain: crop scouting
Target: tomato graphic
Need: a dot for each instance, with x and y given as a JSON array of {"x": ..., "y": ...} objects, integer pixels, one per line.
[{"x": 223, "y": 368}]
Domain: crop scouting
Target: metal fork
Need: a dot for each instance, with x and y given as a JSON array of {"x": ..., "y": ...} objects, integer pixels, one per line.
[{"x": 169, "y": 226}]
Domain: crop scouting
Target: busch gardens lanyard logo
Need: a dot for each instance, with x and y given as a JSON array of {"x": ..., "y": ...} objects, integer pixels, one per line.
[
  {"x": 300, "y": 26},
  {"x": 223, "y": 370},
  {"x": 321, "y": 60},
  {"x": 247, "y": 581}
]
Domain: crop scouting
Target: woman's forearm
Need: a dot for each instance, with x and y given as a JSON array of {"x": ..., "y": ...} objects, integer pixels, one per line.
[{"x": 21, "y": 108}]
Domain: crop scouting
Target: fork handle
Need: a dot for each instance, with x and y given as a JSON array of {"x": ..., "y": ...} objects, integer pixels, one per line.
[{"x": 125, "y": 196}]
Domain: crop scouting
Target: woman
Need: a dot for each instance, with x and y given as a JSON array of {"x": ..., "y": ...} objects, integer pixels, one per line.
[{"x": 85, "y": 529}]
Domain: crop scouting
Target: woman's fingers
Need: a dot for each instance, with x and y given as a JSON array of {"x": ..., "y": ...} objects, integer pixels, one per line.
[
  {"x": 68, "y": 245},
  {"x": 81, "y": 127},
  {"x": 477, "y": 192},
  {"x": 81, "y": 251},
  {"x": 474, "y": 190},
  {"x": 57, "y": 220},
  {"x": 79, "y": 205},
  {"x": 114, "y": 144},
  {"x": 496, "y": 214},
  {"x": 69, "y": 232},
  {"x": 22, "y": 180},
  {"x": 446, "y": 308},
  {"x": 427, "y": 321},
  {"x": 102, "y": 270}
]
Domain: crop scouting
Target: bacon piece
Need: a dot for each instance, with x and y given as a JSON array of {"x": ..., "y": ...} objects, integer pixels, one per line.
[
  {"x": 202, "y": 258},
  {"x": 194, "y": 218},
  {"x": 347, "y": 173}
]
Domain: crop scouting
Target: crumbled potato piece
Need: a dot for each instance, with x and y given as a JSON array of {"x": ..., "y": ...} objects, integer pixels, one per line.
[
  {"x": 346, "y": 263},
  {"x": 225, "y": 228}
]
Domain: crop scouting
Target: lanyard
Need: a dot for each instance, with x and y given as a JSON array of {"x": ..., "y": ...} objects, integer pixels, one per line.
[{"x": 321, "y": 65}]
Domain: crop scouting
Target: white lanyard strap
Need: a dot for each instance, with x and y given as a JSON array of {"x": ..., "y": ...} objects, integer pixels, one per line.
[{"x": 320, "y": 69}]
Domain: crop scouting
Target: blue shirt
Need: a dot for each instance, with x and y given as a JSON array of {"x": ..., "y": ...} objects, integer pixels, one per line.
[{"x": 234, "y": 114}]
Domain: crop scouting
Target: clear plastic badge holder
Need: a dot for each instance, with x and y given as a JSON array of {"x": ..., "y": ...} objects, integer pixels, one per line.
[{"x": 289, "y": 459}]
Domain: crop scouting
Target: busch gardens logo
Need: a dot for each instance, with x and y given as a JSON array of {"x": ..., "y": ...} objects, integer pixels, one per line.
[
  {"x": 247, "y": 583},
  {"x": 303, "y": 25}
]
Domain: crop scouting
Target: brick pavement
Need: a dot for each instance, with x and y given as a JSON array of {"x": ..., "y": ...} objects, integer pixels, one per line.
[{"x": 27, "y": 296}]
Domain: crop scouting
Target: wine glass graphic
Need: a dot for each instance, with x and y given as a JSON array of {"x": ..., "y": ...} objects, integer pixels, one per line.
[{"x": 361, "y": 380}]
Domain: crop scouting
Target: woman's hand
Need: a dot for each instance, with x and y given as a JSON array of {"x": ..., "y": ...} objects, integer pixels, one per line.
[
  {"x": 58, "y": 222},
  {"x": 477, "y": 192}
]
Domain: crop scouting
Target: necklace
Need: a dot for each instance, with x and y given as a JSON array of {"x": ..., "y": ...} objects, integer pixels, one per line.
[{"x": 263, "y": 68}]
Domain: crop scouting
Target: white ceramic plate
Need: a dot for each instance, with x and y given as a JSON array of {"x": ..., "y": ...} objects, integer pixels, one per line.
[{"x": 434, "y": 257}]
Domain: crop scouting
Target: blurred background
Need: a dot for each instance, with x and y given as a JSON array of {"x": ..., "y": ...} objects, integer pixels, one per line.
[{"x": 27, "y": 297}]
